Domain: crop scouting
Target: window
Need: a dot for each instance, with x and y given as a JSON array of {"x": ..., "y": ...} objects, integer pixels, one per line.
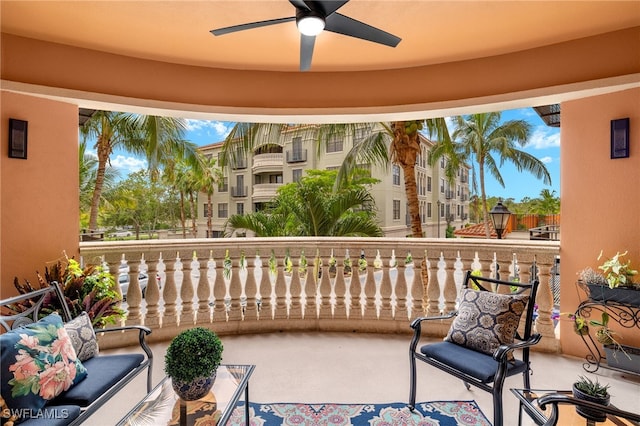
[
  {"x": 275, "y": 178},
  {"x": 428, "y": 183},
  {"x": 223, "y": 210},
  {"x": 442, "y": 185},
  {"x": 297, "y": 175},
  {"x": 223, "y": 186},
  {"x": 428, "y": 209},
  {"x": 442, "y": 162},
  {"x": 442, "y": 210},
  {"x": 334, "y": 145},
  {"x": 396, "y": 174},
  {"x": 240, "y": 208},
  {"x": 396, "y": 209}
]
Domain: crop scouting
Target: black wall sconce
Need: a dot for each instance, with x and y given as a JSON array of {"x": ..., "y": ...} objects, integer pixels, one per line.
[
  {"x": 620, "y": 138},
  {"x": 17, "y": 138}
]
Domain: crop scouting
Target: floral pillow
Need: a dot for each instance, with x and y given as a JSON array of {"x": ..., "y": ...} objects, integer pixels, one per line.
[
  {"x": 38, "y": 363},
  {"x": 83, "y": 337},
  {"x": 486, "y": 320}
]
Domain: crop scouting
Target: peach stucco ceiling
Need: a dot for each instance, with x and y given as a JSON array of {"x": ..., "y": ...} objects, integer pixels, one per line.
[{"x": 432, "y": 32}]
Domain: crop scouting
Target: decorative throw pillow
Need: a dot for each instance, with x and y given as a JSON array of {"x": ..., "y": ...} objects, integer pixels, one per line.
[
  {"x": 486, "y": 320},
  {"x": 83, "y": 337},
  {"x": 37, "y": 363}
]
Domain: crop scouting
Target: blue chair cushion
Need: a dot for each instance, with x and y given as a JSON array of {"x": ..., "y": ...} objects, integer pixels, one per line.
[
  {"x": 473, "y": 363},
  {"x": 104, "y": 373},
  {"x": 58, "y": 415}
]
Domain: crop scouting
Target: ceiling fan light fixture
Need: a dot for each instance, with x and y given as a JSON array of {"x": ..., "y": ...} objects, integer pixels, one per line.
[{"x": 310, "y": 25}]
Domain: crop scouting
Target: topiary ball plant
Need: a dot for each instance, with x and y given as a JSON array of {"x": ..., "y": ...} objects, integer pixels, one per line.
[{"x": 192, "y": 359}]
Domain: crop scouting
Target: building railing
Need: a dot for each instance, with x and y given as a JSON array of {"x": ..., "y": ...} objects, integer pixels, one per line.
[
  {"x": 296, "y": 156},
  {"x": 255, "y": 285},
  {"x": 239, "y": 191}
]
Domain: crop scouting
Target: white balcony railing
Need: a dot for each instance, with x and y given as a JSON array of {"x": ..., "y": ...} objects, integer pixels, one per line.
[{"x": 262, "y": 285}]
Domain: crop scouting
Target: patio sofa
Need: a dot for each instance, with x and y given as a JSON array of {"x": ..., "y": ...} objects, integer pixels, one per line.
[{"x": 51, "y": 370}]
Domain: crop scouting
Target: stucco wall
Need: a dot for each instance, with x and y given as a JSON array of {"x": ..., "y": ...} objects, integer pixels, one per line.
[
  {"x": 600, "y": 196},
  {"x": 38, "y": 196}
]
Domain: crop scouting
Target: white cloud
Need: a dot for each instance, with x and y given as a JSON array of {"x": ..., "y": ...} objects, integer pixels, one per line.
[
  {"x": 217, "y": 129},
  {"x": 544, "y": 137},
  {"x": 128, "y": 164},
  {"x": 547, "y": 159}
]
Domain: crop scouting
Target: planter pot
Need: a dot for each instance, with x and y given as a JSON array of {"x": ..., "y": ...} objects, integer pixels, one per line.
[
  {"x": 591, "y": 413},
  {"x": 600, "y": 293},
  {"x": 196, "y": 389},
  {"x": 629, "y": 360}
]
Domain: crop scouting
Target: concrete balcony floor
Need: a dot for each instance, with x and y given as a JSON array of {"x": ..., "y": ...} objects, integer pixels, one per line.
[{"x": 363, "y": 368}]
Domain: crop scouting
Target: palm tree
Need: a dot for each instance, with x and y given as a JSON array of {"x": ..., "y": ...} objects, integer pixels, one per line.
[
  {"x": 547, "y": 203},
  {"x": 488, "y": 143},
  {"x": 88, "y": 168},
  {"x": 207, "y": 176},
  {"x": 159, "y": 139},
  {"x": 312, "y": 207},
  {"x": 396, "y": 143}
]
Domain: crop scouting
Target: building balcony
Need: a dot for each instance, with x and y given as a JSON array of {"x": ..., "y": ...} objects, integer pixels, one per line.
[
  {"x": 292, "y": 325},
  {"x": 239, "y": 191},
  {"x": 297, "y": 156},
  {"x": 270, "y": 162},
  {"x": 265, "y": 191}
]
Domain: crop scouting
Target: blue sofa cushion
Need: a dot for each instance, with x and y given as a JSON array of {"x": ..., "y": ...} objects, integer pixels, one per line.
[
  {"x": 105, "y": 371},
  {"x": 38, "y": 363},
  {"x": 473, "y": 363}
]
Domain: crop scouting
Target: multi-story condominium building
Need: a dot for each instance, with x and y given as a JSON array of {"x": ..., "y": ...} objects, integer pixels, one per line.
[{"x": 253, "y": 179}]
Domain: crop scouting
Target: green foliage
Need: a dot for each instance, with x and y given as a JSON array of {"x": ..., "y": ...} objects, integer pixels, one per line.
[
  {"x": 617, "y": 272},
  {"x": 193, "y": 353},
  {"x": 314, "y": 207},
  {"x": 593, "y": 388}
]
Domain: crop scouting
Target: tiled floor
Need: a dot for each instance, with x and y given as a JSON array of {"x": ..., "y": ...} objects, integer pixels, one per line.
[{"x": 367, "y": 368}]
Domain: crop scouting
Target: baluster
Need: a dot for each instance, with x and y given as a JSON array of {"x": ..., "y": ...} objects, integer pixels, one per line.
[
  {"x": 386, "y": 311},
  {"x": 433, "y": 289},
  {"x": 203, "y": 290},
  {"x": 401, "y": 293},
  {"x": 340, "y": 311},
  {"x": 449, "y": 293},
  {"x": 219, "y": 294},
  {"x": 250, "y": 289},
  {"x": 370, "y": 308},
  {"x": 417, "y": 286},
  {"x": 325, "y": 294},
  {"x": 303, "y": 274},
  {"x": 235, "y": 292},
  {"x": 134, "y": 294},
  {"x": 281, "y": 294},
  {"x": 266, "y": 311},
  {"x": 186, "y": 294},
  {"x": 152, "y": 294},
  {"x": 544, "y": 299},
  {"x": 170, "y": 294},
  {"x": 295, "y": 310}
]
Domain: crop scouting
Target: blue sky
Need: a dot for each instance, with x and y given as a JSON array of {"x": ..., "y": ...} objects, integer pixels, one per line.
[{"x": 544, "y": 143}]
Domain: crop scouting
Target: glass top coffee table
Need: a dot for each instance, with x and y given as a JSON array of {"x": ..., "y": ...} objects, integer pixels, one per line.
[
  {"x": 559, "y": 410},
  {"x": 163, "y": 407}
]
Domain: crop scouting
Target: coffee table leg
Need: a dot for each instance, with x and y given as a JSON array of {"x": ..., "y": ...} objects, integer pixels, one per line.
[
  {"x": 183, "y": 412},
  {"x": 246, "y": 405}
]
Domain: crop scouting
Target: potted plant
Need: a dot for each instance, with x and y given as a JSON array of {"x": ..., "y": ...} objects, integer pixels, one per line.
[
  {"x": 614, "y": 282},
  {"x": 593, "y": 391},
  {"x": 191, "y": 362}
]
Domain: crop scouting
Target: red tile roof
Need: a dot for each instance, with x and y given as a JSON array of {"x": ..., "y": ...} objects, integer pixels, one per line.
[{"x": 477, "y": 231}]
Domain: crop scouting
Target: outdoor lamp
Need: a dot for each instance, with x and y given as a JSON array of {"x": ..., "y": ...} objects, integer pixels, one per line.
[
  {"x": 500, "y": 217},
  {"x": 310, "y": 25}
]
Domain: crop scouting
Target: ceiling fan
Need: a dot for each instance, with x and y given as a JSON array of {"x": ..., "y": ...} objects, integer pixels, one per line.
[{"x": 314, "y": 16}]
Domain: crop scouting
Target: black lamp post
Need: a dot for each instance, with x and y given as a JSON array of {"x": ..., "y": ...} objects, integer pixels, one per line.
[{"x": 500, "y": 217}]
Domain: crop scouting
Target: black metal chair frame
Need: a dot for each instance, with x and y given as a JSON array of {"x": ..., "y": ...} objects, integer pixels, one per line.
[
  {"x": 32, "y": 314},
  {"x": 554, "y": 399},
  {"x": 522, "y": 342}
]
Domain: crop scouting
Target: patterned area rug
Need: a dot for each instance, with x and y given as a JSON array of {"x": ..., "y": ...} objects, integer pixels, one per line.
[{"x": 435, "y": 413}]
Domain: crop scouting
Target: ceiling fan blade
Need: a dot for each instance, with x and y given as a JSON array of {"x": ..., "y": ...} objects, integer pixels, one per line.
[
  {"x": 242, "y": 27},
  {"x": 341, "y": 24},
  {"x": 306, "y": 51},
  {"x": 299, "y": 4},
  {"x": 326, "y": 7}
]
